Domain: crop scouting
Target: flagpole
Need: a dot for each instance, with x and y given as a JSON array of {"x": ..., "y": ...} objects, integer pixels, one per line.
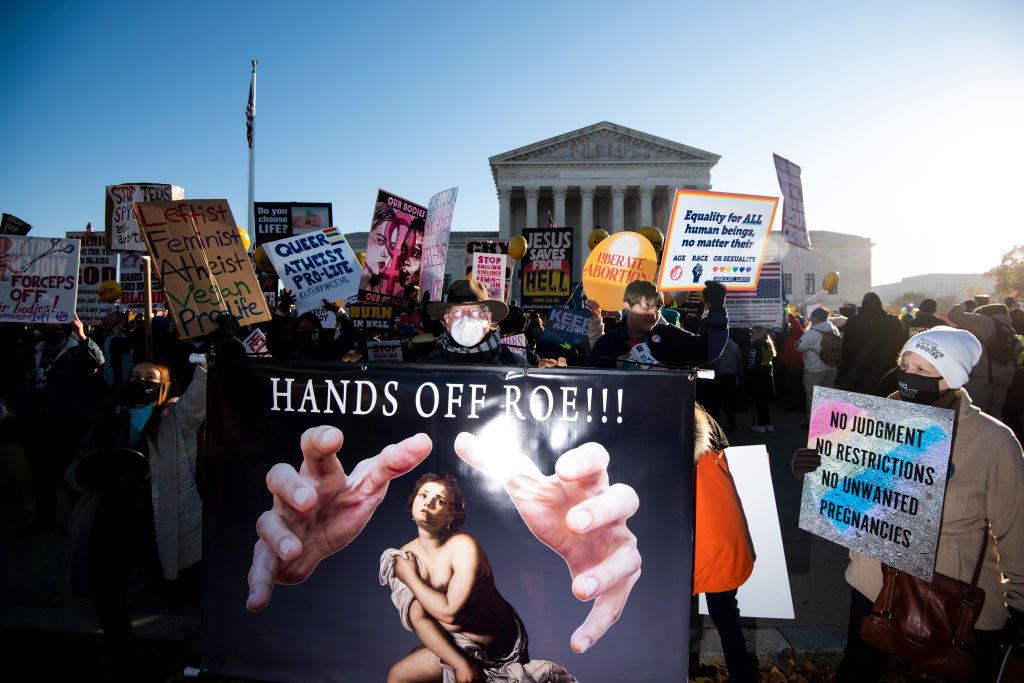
[{"x": 252, "y": 157}]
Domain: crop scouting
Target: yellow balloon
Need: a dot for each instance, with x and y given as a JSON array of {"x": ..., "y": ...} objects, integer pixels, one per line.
[
  {"x": 830, "y": 281},
  {"x": 517, "y": 247},
  {"x": 653, "y": 235},
  {"x": 245, "y": 237},
  {"x": 597, "y": 235},
  {"x": 614, "y": 263},
  {"x": 262, "y": 261},
  {"x": 361, "y": 257},
  {"x": 109, "y": 291}
]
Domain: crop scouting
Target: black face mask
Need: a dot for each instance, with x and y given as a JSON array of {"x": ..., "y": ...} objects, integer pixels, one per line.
[
  {"x": 52, "y": 338},
  {"x": 920, "y": 389},
  {"x": 307, "y": 337},
  {"x": 141, "y": 392}
]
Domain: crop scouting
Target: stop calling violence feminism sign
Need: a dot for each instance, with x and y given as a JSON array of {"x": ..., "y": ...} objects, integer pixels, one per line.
[
  {"x": 882, "y": 480},
  {"x": 716, "y": 236}
]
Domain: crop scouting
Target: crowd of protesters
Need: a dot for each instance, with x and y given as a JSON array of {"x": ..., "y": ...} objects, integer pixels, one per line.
[{"x": 111, "y": 431}]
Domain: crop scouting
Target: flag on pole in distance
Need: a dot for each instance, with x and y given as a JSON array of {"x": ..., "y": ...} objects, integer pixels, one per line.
[
  {"x": 551, "y": 221},
  {"x": 250, "y": 113}
]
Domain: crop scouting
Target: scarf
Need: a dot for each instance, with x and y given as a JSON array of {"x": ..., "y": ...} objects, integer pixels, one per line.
[{"x": 487, "y": 352}]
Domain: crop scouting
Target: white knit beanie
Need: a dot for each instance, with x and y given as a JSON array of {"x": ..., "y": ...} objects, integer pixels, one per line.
[{"x": 953, "y": 352}]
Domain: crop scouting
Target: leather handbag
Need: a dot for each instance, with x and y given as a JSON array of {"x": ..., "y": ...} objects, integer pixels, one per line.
[{"x": 929, "y": 624}]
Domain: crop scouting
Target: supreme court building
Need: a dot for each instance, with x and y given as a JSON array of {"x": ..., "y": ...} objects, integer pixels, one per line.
[{"x": 602, "y": 175}]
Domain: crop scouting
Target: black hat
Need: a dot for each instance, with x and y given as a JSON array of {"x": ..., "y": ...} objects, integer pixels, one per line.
[{"x": 462, "y": 292}]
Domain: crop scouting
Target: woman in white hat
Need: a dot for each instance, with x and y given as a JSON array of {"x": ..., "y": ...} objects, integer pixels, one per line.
[{"x": 985, "y": 482}]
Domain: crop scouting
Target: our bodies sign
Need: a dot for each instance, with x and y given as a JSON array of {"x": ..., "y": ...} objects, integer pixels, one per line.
[
  {"x": 96, "y": 265},
  {"x": 316, "y": 266},
  {"x": 547, "y": 267},
  {"x": 394, "y": 251},
  {"x": 38, "y": 279},
  {"x": 122, "y": 228},
  {"x": 716, "y": 236},
  {"x": 341, "y": 624},
  {"x": 202, "y": 264},
  {"x": 435, "y": 242},
  {"x": 882, "y": 480}
]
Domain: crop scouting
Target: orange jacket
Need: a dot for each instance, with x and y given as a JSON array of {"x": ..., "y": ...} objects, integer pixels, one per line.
[{"x": 723, "y": 556}]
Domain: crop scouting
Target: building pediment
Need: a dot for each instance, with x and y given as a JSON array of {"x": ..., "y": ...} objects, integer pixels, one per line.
[{"x": 605, "y": 142}]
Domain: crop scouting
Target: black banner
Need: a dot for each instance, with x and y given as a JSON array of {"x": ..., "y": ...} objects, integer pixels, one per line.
[
  {"x": 341, "y": 623},
  {"x": 277, "y": 220},
  {"x": 547, "y": 267},
  {"x": 12, "y": 225}
]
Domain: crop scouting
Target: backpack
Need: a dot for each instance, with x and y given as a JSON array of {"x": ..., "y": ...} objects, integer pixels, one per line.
[
  {"x": 1002, "y": 345},
  {"x": 831, "y": 349}
]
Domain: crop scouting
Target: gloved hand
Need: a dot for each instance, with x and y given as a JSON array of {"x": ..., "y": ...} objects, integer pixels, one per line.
[{"x": 714, "y": 295}]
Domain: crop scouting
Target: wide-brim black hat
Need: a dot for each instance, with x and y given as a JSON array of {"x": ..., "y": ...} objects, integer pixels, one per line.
[{"x": 462, "y": 292}]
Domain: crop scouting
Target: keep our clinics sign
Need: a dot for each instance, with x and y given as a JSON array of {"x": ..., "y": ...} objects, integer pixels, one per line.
[
  {"x": 882, "y": 481},
  {"x": 198, "y": 254},
  {"x": 716, "y": 236},
  {"x": 38, "y": 279},
  {"x": 340, "y": 623}
]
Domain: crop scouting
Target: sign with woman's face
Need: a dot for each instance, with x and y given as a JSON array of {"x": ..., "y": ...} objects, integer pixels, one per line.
[{"x": 394, "y": 249}]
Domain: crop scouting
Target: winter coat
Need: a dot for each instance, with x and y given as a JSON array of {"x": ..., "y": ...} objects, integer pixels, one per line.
[
  {"x": 871, "y": 348},
  {"x": 810, "y": 345},
  {"x": 987, "y": 482},
  {"x": 790, "y": 356},
  {"x": 983, "y": 327}
]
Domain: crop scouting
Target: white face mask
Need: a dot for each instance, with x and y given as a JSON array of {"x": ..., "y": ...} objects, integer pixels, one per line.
[{"x": 469, "y": 332}]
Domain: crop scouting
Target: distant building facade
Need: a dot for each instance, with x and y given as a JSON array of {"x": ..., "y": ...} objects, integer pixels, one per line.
[{"x": 960, "y": 286}]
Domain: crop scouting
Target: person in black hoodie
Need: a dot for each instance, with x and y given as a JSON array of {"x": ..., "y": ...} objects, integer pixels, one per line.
[
  {"x": 872, "y": 340},
  {"x": 925, "y": 318}
]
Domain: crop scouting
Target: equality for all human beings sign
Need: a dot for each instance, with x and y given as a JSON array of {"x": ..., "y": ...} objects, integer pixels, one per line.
[
  {"x": 762, "y": 306},
  {"x": 122, "y": 228},
  {"x": 794, "y": 224},
  {"x": 489, "y": 270},
  {"x": 12, "y": 225},
  {"x": 96, "y": 265},
  {"x": 394, "y": 252},
  {"x": 510, "y": 443},
  {"x": 38, "y": 279},
  {"x": 882, "y": 480},
  {"x": 715, "y": 236},
  {"x": 547, "y": 267},
  {"x": 205, "y": 271},
  {"x": 316, "y": 266},
  {"x": 435, "y": 242},
  {"x": 277, "y": 220}
]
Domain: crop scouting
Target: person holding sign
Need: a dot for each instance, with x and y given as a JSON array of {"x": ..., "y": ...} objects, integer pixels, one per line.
[{"x": 984, "y": 495}]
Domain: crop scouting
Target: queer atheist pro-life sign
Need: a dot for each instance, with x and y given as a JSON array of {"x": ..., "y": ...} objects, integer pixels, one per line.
[
  {"x": 316, "y": 266},
  {"x": 882, "y": 480},
  {"x": 716, "y": 236}
]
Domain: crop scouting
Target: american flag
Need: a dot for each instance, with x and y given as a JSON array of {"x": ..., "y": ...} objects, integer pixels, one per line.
[
  {"x": 250, "y": 114},
  {"x": 551, "y": 221},
  {"x": 769, "y": 284}
]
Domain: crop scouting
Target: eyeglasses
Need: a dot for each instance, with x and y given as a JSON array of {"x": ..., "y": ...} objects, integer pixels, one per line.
[
  {"x": 476, "y": 313},
  {"x": 640, "y": 308}
]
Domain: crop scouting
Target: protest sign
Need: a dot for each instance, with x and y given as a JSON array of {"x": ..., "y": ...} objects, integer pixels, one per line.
[
  {"x": 371, "y": 317},
  {"x": 794, "y": 225},
  {"x": 547, "y": 267},
  {"x": 614, "y": 263},
  {"x": 341, "y": 623},
  {"x": 201, "y": 262},
  {"x": 384, "y": 351},
  {"x": 327, "y": 318},
  {"x": 317, "y": 265},
  {"x": 762, "y": 306},
  {"x": 38, "y": 279},
  {"x": 132, "y": 278},
  {"x": 766, "y": 593},
  {"x": 435, "y": 242},
  {"x": 96, "y": 265},
  {"x": 716, "y": 236},
  {"x": 277, "y": 220},
  {"x": 394, "y": 250},
  {"x": 516, "y": 343},
  {"x": 489, "y": 270},
  {"x": 12, "y": 225},
  {"x": 256, "y": 343},
  {"x": 882, "y": 479},
  {"x": 122, "y": 228},
  {"x": 566, "y": 326}
]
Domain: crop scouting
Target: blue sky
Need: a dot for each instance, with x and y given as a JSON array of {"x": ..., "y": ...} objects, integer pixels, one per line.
[{"x": 905, "y": 117}]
